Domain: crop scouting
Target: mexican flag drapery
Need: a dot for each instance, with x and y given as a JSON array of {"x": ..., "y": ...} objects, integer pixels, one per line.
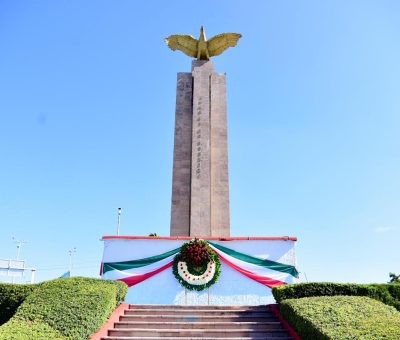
[{"x": 264, "y": 271}]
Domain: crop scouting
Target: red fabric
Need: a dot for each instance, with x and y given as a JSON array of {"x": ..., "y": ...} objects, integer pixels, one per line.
[
  {"x": 266, "y": 281},
  {"x": 133, "y": 280}
]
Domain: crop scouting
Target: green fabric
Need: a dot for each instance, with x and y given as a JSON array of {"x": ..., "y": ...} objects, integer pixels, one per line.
[
  {"x": 137, "y": 263},
  {"x": 280, "y": 267}
]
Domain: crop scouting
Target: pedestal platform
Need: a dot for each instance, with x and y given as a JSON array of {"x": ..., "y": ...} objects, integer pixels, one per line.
[{"x": 250, "y": 267}]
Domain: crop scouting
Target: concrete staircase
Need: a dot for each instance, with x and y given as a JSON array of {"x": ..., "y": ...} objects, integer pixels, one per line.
[{"x": 196, "y": 322}]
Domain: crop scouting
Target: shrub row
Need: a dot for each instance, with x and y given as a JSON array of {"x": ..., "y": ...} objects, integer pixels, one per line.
[
  {"x": 11, "y": 296},
  {"x": 341, "y": 317},
  {"x": 29, "y": 330},
  {"x": 387, "y": 293},
  {"x": 70, "y": 308}
]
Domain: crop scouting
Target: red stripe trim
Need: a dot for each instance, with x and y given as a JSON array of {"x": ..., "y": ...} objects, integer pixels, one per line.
[
  {"x": 277, "y": 312},
  {"x": 265, "y": 280},
  {"x": 185, "y": 238},
  {"x": 134, "y": 280},
  {"x": 103, "y": 331}
]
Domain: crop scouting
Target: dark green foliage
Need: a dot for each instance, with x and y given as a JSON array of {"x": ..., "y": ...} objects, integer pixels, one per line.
[
  {"x": 341, "y": 317},
  {"x": 70, "y": 308},
  {"x": 11, "y": 296},
  {"x": 394, "y": 278},
  {"x": 387, "y": 293}
]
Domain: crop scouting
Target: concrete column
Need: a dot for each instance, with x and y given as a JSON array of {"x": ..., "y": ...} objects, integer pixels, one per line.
[
  {"x": 220, "y": 220},
  {"x": 200, "y": 184},
  {"x": 200, "y": 207},
  {"x": 180, "y": 208}
]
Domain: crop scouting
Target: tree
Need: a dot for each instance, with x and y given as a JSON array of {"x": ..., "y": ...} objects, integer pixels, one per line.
[{"x": 394, "y": 278}]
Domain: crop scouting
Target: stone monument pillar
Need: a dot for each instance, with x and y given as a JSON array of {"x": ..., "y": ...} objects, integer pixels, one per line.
[{"x": 200, "y": 184}]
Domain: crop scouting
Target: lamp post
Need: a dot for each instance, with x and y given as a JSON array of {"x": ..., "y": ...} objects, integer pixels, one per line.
[
  {"x": 119, "y": 220},
  {"x": 19, "y": 246}
]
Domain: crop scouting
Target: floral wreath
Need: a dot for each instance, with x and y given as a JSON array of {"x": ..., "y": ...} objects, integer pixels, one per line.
[{"x": 197, "y": 266}]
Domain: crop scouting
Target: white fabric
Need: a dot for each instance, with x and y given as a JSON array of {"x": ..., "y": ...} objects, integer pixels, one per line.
[
  {"x": 232, "y": 287},
  {"x": 254, "y": 268}
]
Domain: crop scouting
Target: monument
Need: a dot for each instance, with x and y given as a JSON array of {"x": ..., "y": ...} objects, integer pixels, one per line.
[
  {"x": 200, "y": 263},
  {"x": 200, "y": 183}
]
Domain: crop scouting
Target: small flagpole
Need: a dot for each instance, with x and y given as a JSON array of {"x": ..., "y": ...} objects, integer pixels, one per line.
[{"x": 119, "y": 220}]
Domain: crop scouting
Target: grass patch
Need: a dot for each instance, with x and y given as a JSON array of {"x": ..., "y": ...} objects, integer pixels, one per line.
[
  {"x": 70, "y": 308},
  {"x": 341, "y": 317}
]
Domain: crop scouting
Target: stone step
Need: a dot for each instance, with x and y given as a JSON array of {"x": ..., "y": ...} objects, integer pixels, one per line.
[
  {"x": 197, "y": 318},
  {"x": 200, "y": 333},
  {"x": 178, "y": 307},
  {"x": 177, "y": 322},
  {"x": 197, "y": 312},
  {"x": 198, "y": 325},
  {"x": 270, "y": 337}
]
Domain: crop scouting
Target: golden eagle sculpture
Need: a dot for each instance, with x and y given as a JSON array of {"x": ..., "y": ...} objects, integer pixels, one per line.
[{"x": 201, "y": 48}]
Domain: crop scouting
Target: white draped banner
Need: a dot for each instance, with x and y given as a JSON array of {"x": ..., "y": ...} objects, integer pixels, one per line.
[{"x": 250, "y": 267}]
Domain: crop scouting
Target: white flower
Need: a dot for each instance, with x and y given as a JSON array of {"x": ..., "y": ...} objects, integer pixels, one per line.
[{"x": 196, "y": 280}]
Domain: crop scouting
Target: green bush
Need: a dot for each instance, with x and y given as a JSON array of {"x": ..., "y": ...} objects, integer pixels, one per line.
[
  {"x": 122, "y": 288},
  {"x": 28, "y": 330},
  {"x": 11, "y": 296},
  {"x": 387, "y": 293},
  {"x": 341, "y": 317},
  {"x": 394, "y": 291},
  {"x": 70, "y": 308}
]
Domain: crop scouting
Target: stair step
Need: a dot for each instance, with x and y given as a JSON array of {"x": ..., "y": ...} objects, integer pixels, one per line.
[
  {"x": 183, "y": 322},
  {"x": 197, "y": 312},
  {"x": 270, "y": 337},
  {"x": 198, "y": 325},
  {"x": 216, "y": 333},
  {"x": 246, "y": 307},
  {"x": 197, "y": 318},
  {"x": 191, "y": 338}
]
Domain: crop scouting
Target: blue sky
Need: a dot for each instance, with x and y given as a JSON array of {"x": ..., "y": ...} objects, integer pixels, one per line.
[{"x": 87, "y": 100}]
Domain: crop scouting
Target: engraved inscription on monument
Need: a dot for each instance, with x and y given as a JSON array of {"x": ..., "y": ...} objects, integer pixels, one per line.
[{"x": 200, "y": 183}]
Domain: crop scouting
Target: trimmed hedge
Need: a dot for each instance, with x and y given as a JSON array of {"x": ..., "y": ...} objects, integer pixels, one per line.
[
  {"x": 122, "y": 288},
  {"x": 341, "y": 317},
  {"x": 387, "y": 293},
  {"x": 70, "y": 308},
  {"x": 28, "y": 330},
  {"x": 11, "y": 296}
]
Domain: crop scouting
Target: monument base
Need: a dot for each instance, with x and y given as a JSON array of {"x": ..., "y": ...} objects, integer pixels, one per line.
[{"x": 250, "y": 267}]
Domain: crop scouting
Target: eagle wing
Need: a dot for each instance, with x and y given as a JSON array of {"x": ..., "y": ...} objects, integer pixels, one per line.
[
  {"x": 183, "y": 42},
  {"x": 218, "y": 44}
]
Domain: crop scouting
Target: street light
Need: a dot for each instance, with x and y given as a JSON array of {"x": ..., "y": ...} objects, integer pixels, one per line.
[
  {"x": 119, "y": 220},
  {"x": 19, "y": 246}
]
